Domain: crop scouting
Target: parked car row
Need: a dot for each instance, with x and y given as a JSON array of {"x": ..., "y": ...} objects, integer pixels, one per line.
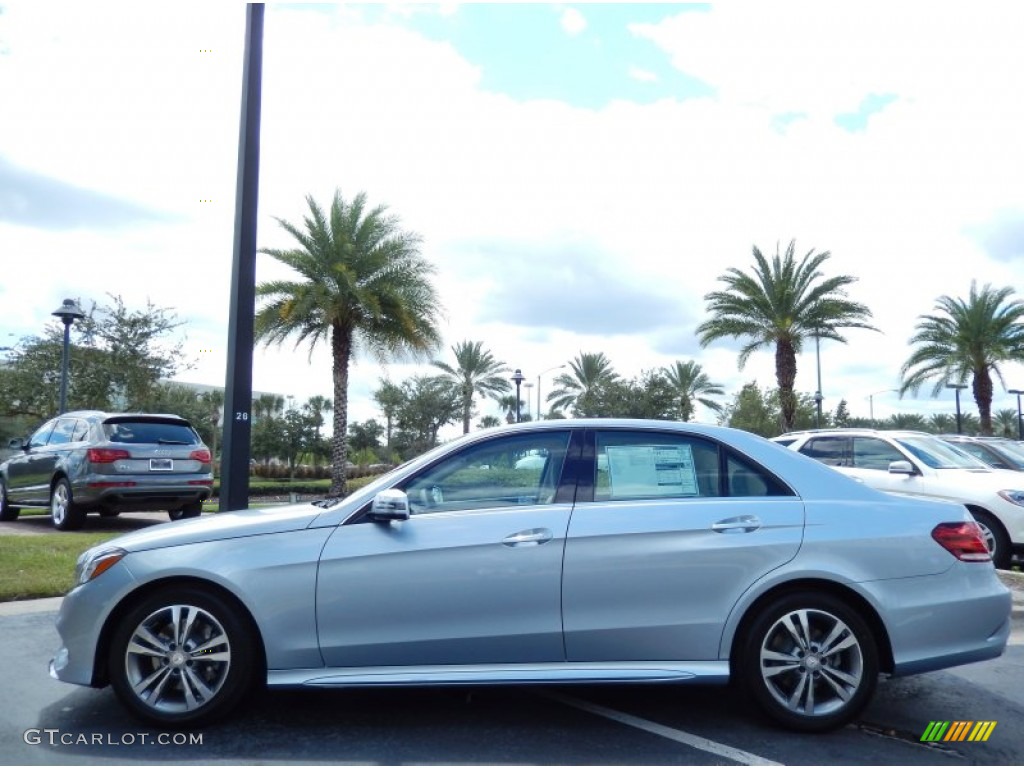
[
  {"x": 921, "y": 464},
  {"x": 568, "y": 551},
  {"x": 91, "y": 461}
]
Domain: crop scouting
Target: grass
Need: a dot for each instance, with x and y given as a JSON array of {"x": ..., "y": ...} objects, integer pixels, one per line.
[{"x": 42, "y": 566}]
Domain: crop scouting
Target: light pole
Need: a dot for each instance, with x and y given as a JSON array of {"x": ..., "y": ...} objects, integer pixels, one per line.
[
  {"x": 546, "y": 370},
  {"x": 871, "y": 404},
  {"x": 518, "y": 378},
  {"x": 68, "y": 312},
  {"x": 529, "y": 399},
  {"x": 959, "y": 419},
  {"x": 1020, "y": 425},
  {"x": 817, "y": 395}
]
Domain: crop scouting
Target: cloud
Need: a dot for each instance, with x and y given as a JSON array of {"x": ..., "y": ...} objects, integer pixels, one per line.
[
  {"x": 643, "y": 75},
  {"x": 34, "y": 200},
  {"x": 1002, "y": 237},
  {"x": 573, "y": 22}
]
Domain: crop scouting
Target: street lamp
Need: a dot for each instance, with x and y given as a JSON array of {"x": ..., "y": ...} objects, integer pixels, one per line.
[
  {"x": 871, "y": 404},
  {"x": 68, "y": 312},
  {"x": 959, "y": 420},
  {"x": 817, "y": 395},
  {"x": 546, "y": 370},
  {"x": 1020, "y": 426},
  {"x": 518, "y": 378}
]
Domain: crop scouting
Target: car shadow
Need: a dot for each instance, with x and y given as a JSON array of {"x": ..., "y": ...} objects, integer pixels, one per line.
[{"x": 30, "y": 524}]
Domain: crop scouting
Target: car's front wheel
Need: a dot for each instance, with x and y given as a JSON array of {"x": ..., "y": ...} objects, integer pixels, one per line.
[
  {"x": 809, "y": 661},
  {"x": 67, "y": 516},
  {"x": 995, "y": 538},
  {"x": 181, "y": 657},
  {"x": 7, "y": 512}
]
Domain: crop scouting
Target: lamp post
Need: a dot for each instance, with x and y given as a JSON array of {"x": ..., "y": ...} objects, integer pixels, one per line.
[
  {"x": 546, "y": 370},
  {"x": 959, "y": 418},
  {"x": 529, "y": 399},
  {"x": 817, "y": 395},
  {"x": 1020, "y": 425},
  {"x": 68, "y": 312},
  {"x": 518, "y": 378},
  {"x": 871, "y": 404}
]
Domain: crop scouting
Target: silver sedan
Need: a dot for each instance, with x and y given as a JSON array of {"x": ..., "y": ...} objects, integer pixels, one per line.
[{"x": 621, "y": 551}]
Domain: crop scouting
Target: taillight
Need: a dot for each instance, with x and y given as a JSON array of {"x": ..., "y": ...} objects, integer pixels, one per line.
[
  {"x": 962, "y": 540},
  {"x": 202, "y": 455},
  {"x": 106, "y": 455},
  {"x": 208, "y": 483}
]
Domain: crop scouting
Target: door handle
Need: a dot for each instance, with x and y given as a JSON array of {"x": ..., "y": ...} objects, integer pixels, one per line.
[
  {"x": 741, "y": 524},
  {"x": 531, "y": 537}
]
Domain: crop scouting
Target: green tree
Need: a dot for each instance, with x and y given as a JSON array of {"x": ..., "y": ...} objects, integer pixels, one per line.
[
  {"x": 363, "y": 283},
  {"x": 389, "y": 397},
  {"x": 587, "y": 372},
  {"x": 941, "y": 423},
  {"x": 117, "y": 357},
  {"x": 692, "y": 386},
  {"x": 907, "y": 421},
  {"x": 780, "y": 305},
  {"x": 486, "y": 422},
  {"x": 1004, "y": 422},
  {"x": 841, "y": 417},
  {"x": 315, "y": 407},
  {"x": 752, "y": 409},
  {"x": 967, "y": 338},
  {"x": 298, "y": 436},
  {"x": 365, "y": 435},
  {"x": 475, "y": 372},
  {"x": 429, "y": 403},
  {"x": 650, "y": 396}
]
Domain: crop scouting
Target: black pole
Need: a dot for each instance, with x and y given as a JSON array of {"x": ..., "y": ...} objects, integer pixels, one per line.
[
  {"x": 1020, "y": 424},
  {"x": 65, "y": 354},
  {"x": 959, "y": 422},
  {"x": 518, "y": 404},
  {"x": 234, "y": 481}
]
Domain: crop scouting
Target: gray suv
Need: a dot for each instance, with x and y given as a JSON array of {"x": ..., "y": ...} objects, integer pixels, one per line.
[{"x": 91, "y": 461}]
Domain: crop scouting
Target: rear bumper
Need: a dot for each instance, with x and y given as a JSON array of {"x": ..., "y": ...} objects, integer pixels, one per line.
[{"x": 141, "y": 497}]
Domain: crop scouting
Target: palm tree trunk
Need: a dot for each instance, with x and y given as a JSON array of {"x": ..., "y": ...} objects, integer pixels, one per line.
[
  {"x": 982, "y": 387},
  {"x": 785, "y": 376},
  {"x": 341, "y": 350},
  {"x": 467, "y": 407}
]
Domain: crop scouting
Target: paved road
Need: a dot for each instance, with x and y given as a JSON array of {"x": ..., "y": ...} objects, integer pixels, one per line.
[{"x": 46, "y": 722}]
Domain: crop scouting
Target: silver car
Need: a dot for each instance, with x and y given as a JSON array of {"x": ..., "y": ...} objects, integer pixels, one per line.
[{"x": 636, "y": 551}]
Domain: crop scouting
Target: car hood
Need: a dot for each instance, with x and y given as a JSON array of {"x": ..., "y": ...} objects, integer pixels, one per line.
[
  {"x": 223, "y": 525},
  {"x": 968, "y": 484}
]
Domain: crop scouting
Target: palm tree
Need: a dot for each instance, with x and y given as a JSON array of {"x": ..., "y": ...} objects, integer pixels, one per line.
[
  {"x": 1004, "y": 423},
  {"x": 316, "y": 406},
  {"x": 475, "y": 372},
  {"x": 589, "y": 371},
  {"x": 692, "y": 385},
  {"x": 964, "y": 339},
  {"x": 907, "y": 421},
  {"x": 941, "y": 423},
  {"x": 213, "y": 402},
  {"x": 363, "y": 285},
  {"x": 267, "y": 405},
  {"x": 389, "y": 397},
  {"x": 781, "y": 305}
]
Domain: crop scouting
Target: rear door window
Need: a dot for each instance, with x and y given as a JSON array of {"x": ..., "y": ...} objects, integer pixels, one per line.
[
  {"x": 833, "y": 451},
  {"x": 62, "y": 431}
]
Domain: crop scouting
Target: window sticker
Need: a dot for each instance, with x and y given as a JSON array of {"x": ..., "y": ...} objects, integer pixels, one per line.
[{"x": 651, "y": 470}]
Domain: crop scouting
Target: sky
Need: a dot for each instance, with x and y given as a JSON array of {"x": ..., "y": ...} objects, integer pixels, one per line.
[{"x": 581, "y": 174}]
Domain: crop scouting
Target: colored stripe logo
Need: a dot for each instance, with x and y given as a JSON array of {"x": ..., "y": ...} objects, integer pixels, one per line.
[{"x": 958, "y": 730}]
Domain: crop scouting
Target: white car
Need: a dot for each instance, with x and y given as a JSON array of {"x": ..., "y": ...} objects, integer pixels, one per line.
[{"x": 919, "y": 464}]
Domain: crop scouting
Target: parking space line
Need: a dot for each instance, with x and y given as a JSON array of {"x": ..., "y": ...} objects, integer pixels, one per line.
[{"x": 690, "y": 740}]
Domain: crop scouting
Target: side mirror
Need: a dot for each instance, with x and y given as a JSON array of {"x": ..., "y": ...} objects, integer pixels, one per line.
[
  {"x": 391, "y": 504},
  {"x": 902, "y": 467}
]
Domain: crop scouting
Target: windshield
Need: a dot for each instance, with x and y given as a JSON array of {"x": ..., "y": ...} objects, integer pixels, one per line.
[
  {"x": 1013, "y": 452},
  {"x": 938, "y": 454}
]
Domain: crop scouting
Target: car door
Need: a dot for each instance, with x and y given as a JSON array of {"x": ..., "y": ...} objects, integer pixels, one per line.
[
  {"x": 871, "y": 457},
  {"x": 668, "y": 532},
  {"x": 27, "y": 480},
  {"x": 472, "y": 577}
]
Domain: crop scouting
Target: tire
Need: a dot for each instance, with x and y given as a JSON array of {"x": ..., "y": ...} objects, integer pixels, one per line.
[
  {"x": 787, "y": 646},
  {"x": 7, "y": 512},
  {"x": 192, "y": 509},
  {"x": 182, "y": 657},
  {"x": 67, "y": 516},
  {"x": 996, "y": 539}
]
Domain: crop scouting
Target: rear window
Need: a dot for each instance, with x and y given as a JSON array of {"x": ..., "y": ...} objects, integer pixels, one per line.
[{"x": 160, "y": 432}]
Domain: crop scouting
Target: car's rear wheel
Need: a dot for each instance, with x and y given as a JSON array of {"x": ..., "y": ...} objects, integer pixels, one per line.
[
  {"x": 809, "y": 661},
  {"x": 181, "y": 657},
  {"x": 7, "y": 512},
  {"x": 194, "y": 509},
  {"x": 67, "y": 516},
  {"x": 996, "y": 539}
]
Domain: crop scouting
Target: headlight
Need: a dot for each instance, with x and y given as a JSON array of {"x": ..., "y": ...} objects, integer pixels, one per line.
[
  {"x": 1014, "y": 497},
  {"x": 93, "y": 562}
]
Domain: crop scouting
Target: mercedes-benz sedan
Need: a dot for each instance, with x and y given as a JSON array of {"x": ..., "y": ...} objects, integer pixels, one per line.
[{"x": 623, "y": 551}]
